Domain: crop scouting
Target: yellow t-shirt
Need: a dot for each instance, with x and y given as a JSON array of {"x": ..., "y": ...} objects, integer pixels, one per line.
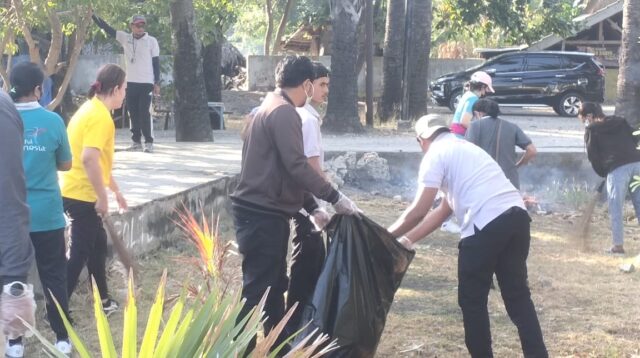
[{"x": 91, "y": 126}]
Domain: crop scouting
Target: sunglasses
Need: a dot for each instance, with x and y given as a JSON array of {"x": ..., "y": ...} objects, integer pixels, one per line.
[{"x": 140, "y": 26}]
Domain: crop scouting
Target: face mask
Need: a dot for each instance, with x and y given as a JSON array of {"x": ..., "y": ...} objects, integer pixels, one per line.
[{"x": 309, "y": 96}]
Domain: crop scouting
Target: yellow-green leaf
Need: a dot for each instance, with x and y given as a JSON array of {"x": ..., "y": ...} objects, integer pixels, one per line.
[
  {"x": 162, "y": 350},
  {"x": 129, "y": 331},
  {"x": 78, "y": 345},
  {"x": 153, "y": 322},
  {"x": 107, "y": 348}
]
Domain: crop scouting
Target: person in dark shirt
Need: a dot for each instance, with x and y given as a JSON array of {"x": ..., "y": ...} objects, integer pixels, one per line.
[{"x": 612, "y": 151}]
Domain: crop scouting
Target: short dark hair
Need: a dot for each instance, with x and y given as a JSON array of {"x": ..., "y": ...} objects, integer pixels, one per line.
[
  {"x": 488, "y": 106},
  {"x": 320, "y": 70},
  {"x": 476, "y": 86},
  {"x": 293, "y": 70},
  {"x": 591, "y": 108},
  {"x": 108, "y": 78},
  {"x": 24, "y": 79}
]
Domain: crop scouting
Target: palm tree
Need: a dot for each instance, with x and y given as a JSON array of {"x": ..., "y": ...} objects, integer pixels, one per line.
[
  {"x": 628, "y": 99},
  {"x": 420, "y": 47},
  {"x": 342, "y": 109},
  {"x": 191, "y": 112},
  {"x": 392, "y": 61}
]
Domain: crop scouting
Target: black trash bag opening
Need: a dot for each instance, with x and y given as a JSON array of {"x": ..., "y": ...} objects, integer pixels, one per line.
[{"x": 363, "y": 269}]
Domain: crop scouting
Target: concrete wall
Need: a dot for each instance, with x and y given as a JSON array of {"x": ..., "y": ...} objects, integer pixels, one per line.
[
  {"x": 145, "y": 227},
  {"x": 261, "y": 71},
  {"x": 87, "y": 68}
]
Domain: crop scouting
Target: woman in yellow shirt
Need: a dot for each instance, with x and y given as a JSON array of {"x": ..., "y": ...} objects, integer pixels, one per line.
[{"x": 84, "y": 188}]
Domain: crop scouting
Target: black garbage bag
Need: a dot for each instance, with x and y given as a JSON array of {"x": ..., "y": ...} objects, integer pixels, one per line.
[{"x": 363, "y": 270}]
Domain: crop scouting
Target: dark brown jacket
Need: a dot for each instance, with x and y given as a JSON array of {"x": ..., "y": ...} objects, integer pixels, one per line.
[{"x": 275, "y": 175}]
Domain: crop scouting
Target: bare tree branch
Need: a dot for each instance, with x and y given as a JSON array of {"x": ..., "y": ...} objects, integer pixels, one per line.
[
  {"x": 283, "y": 25},
  {"x": 34, "y": 54},
  {"x": 50, "y": 63},
  {"x": 8, "y": 38},
  {"x": 267, "y": 38},
  {"x": 80, "y": 36}
]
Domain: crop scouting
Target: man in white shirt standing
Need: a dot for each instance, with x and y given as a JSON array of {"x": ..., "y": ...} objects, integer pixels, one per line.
[
  {"x": 309, "y": 248},
  {"x": 142, "y": 58},
  {"x": 495, "y": 232}
]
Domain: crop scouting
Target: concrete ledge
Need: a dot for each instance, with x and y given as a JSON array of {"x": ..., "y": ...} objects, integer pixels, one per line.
[
  {"x": 145, "y": 227},
  {"x": 548, "y": 168}
]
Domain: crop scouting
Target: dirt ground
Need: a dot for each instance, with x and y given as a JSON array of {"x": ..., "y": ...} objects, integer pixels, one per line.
[{"x": 586, "y": 306}]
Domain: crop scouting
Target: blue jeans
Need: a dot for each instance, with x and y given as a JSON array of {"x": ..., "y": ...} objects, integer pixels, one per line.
[{"x": 617, "y": 187}]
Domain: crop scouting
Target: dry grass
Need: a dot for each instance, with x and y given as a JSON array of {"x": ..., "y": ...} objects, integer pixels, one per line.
[{"x": 587, "y": 308}]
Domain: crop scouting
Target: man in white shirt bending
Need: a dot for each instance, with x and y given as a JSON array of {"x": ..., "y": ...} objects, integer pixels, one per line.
[
  {"x": 309, "y": 248},
  {"x": 142, "y": 58},
  {"x": 495, "y": 232}
]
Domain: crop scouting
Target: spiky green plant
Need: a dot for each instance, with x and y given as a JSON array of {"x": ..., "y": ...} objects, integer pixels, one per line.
[{"x": 209, "y": 328}]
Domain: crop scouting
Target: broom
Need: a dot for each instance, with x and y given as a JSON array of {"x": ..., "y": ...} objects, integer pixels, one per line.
[
  {"x": 121, "y": 250},
  {"x": 586, "y": 216}
]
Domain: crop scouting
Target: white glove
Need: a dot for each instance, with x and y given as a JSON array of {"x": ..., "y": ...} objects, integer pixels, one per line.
[
  {"x": 17, "y": 301},
  {"x": 320, "y": 218},
  {"x": 404, "y": 241},
  {"x": 345, "y": 206}
]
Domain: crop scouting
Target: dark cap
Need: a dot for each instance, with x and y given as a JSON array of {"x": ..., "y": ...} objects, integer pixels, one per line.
[{"x": 137, "y": 19}]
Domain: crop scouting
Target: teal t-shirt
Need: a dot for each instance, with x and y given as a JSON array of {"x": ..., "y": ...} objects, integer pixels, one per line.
[
  {"x": 45, "y": 146},
  {"x": 465, "y": 106}
]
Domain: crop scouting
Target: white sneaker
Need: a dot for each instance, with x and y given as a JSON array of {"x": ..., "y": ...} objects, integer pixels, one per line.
[
  {"x": 14, "y": 351},
  {"x": 64, "y": 347}
]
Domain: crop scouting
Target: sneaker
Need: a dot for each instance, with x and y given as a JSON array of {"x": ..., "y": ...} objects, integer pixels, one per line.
[
  {"x": 109, "y": 306},
  {"x": 615, "y": 250},
  {"x": 148, "y": 148},
  {"x": 64, "y": 347},
  {"x": 135, "y": 147},
  {"x": 14, "y": 351}
]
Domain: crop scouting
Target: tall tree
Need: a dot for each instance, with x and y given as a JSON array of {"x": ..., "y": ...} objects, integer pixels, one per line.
[
  {"x": 628, "y": 99},
  {"x": 342, "y": 109},
  {"x": 420, "y": 48},
  {"x": 392, "y": 61},
  {"x": 191, "y": 112}
]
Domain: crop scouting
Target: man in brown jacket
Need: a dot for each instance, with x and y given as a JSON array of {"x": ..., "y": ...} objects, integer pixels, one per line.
[{"x": 275, "y": 182}]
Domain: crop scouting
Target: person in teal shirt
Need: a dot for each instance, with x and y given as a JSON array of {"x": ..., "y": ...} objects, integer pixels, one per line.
[
  {"x": 479, "y": 85},
  {"x": 45, "y": 151}
]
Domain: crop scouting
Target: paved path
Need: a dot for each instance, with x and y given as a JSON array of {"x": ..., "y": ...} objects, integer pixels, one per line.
[{"x": 175, "y": 167}]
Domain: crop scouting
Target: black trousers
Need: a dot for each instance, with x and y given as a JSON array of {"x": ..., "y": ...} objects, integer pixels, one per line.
[
  {"x": 262, "y": 240},
  {"x": 88, "y": 245},
  {"x": 138, "y": 102},
  {"x": 308, "y": 256},
  {"x": 52, "y": 268},
  {"x": 502, "y": 246}
]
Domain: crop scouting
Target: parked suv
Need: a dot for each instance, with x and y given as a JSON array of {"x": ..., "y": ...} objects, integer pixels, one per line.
[{"x": 562, "y": 80}]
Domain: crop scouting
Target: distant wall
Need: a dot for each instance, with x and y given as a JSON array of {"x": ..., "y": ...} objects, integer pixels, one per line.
[{"x": 261, "y": 71}]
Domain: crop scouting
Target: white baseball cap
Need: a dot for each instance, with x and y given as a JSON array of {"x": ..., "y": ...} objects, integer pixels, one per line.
[
  {"x": 427, "y": 125},
  {"x": 483, "y": 77}
]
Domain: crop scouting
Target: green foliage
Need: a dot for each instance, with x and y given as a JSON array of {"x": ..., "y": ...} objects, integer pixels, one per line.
[{"x": 502, "y": 22}]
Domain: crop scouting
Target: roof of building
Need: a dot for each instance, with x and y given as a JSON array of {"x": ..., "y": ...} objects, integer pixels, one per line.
[{"x": 601, "y": 10}]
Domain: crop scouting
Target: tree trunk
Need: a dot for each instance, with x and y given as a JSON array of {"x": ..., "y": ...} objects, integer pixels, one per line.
[
  {"x": 212, "y": 67},
  {"x": 419, "y": 60},
  {"x": 268, "y": 9},
  {"x": 392, "y": 62},
  {"x": 342, "y": 109},
  {"x": 277, "y": 46},
  {"x": 628, "y": 99},
  {"x": 191, "y": 112},
  {"x": 362, "y": 45}
]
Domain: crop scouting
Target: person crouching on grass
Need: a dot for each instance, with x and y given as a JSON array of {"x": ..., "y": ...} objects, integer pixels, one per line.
[
  {"x": 84, "y": 187},
  {"x": 495, "y": 232}
]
